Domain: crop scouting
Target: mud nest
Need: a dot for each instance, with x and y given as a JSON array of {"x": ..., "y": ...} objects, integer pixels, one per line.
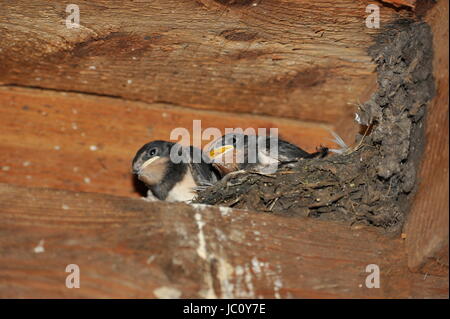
[{"x": 373, "y": 182}]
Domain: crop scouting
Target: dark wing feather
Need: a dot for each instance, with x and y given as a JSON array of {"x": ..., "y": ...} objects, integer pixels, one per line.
[
  {"x": 204, "y": 173},
  {"x": 287, "y": 152}
]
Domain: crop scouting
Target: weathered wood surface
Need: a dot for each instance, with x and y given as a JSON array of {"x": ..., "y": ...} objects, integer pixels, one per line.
[
  {"x": 427, "y": 229},
  {"x": 291, "y": 58},
  {"x": 401, "y": 3},
  {"x": 285, "y": 58},
  {"x": 82, "y": 142},
  {"x": 132, "y": 248}
]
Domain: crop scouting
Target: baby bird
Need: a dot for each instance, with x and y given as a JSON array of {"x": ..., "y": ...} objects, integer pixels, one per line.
[
  {"x": 238, "y": 152},
  {"x": 173, "y": 172}
]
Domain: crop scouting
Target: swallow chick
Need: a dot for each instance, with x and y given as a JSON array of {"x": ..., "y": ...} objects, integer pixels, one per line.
[
  {"x": 235, "y": 152},
  {"x": 173, "y": 172}
]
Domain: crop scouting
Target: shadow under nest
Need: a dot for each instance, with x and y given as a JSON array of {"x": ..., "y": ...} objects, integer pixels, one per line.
[{"x": 373, "y": 183}]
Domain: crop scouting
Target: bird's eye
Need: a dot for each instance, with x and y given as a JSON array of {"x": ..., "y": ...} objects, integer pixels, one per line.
[{"x": 152, "y": 152}]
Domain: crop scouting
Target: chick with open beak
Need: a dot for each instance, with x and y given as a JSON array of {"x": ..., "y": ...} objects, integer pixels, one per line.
[
  {"x": 239, "y": 152},
  {"x": 173, "y": 172}
]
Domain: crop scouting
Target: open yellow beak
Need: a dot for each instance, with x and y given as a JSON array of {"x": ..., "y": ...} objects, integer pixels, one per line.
[
  {"x": 220, "y": 150},
  {"x": 149, "y": 161}
]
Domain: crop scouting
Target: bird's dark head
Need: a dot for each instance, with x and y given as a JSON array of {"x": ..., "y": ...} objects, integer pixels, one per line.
[
  {"x": 228, "y": 143},
  {"x": 228, "y": 152},
  {"x": 151, "y": 160}
]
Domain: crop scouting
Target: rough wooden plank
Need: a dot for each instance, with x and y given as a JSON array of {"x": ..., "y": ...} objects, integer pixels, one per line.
[
  {"x": 86, "y": 143},
  {"x": 302, "y": 59},
  {"x": 130, "y": 248},
  {"x": 401, "y": 3},
  {"x": 427, "y": 229}
]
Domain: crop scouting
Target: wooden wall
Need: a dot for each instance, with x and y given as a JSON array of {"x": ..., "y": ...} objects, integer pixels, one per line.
[
  {"x": 75, "y": 105},
  {"x": 428, "y": 224},
  {"x": 132, "y": 73}
]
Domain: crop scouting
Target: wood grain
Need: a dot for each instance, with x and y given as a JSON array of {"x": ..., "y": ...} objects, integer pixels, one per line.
[
  {"x": 197, "y": 59},
  {"x": 427, "y": 228},
  {"x": 401, "y": 3},
  {"x": 290, "y": 58},
  {"x": 131, "y": 248},
  {"x": 86, "y": 143}
]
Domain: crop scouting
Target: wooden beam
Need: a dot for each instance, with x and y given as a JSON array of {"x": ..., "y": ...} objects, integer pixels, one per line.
[
  {"x": 401, "y": 3},
  {"x": 427, "y": 228},
  {"x": 299, "y": 59},
  {"x": 133, "y": 248},
  {"x": 82, "y": 142}
]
